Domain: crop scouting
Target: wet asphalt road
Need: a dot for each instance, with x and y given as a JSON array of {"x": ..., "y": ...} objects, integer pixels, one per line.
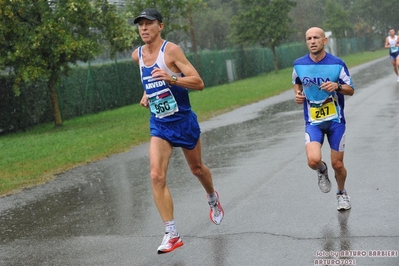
[{"x": 103, "y": 213}]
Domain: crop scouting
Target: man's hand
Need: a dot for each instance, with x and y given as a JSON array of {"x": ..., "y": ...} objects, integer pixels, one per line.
[
  {"x": 329, "y": 86},
  {"x": 161, "y": 74},
  {"x": 144, "y": 101},
  {"x": 299, "y": 98}
]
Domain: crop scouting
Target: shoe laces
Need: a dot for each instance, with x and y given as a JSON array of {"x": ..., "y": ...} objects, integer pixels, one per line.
[
  {"x": 167, "y": 238},
  {"x": 215, "y": 207},
  {"x": 343, "y": 198},
  {"x": 323, "y": 177}
]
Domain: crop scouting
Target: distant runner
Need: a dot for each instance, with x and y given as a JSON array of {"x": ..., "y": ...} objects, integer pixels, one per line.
[{"x": 392, "y": 43}]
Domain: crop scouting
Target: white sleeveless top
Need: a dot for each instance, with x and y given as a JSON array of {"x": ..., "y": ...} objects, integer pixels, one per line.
[{"x": 392, "y": 44}]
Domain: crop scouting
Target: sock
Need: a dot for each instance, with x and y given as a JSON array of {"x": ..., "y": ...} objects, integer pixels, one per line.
[
  {"x": 341, "y": 192},
  {"x": 324, "y": 168},
  {"x": 212, "y": 197},
  {"x": 170, "y": 227}
]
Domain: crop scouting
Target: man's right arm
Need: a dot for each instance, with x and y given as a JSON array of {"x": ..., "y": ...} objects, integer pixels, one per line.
[
  {"x": 299, "y": 97},
  {"x": 144, "y": 98},
  {"x": 387, "y": 43},
  {"x": 135, "y": 56}
]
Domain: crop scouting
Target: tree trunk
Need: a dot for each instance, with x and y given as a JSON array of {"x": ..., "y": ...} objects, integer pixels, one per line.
[
  {"x": 275, "y": 61},
  {"x": 54, "y": 101}
]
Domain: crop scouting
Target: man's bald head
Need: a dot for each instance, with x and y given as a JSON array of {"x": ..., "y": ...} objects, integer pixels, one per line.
[
  {"x": 316, "y": 40},
  {"x": 315, "y": 31}
]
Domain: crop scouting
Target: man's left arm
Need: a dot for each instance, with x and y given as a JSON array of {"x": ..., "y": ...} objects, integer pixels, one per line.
[
  {"x": 343, "y": 86},
  {"x": 331, "y": 86},
  {"x": 177, "y": 62},
  {"x": 345, "y": 89},
  {"x": 191, "y": 79}
]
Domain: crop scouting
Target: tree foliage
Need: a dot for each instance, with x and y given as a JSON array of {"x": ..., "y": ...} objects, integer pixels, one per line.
[
  {"x": 175, "y": 13},
  {"x": 177, "y": 16},
  {"x": 40, "y": 39},
  {"x": 380, "y": 15},
  {"x": 306, "y": 14},
  {"x": 212, "y": 24},
  {"x": 263, "y": 22},
  {"x": 336, "y": 19}
]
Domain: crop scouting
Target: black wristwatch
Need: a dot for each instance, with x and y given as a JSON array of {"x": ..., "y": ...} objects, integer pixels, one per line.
[{"x": 339, "y": 87}]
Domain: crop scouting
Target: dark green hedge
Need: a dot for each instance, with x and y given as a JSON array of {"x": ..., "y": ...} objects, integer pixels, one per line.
[
  {"x": 95, "y": 88},
  {"x": 32, "y": 107}
]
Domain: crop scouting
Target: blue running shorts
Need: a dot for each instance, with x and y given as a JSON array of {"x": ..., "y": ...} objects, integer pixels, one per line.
[
  {"x": 183, "y": 134},
  {"x": 393, "y": 55},
  {"x": 334, "y": 131}
]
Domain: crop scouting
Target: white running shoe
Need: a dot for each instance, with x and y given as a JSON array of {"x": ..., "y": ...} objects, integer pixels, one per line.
[
  {"x": 324, "y": 182},
  {"x": 398, "y": 79},
  {"x": 216, "y": 213},
  {"x": 169, "y": 243},
  {"x": 343, "y": 202}
]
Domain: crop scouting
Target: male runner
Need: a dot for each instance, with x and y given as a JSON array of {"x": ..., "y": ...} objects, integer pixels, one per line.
[
  {"x": 320, "y": 82},
  {"x": 392, "y": 43},
  {"x": 166, "y": 75}
]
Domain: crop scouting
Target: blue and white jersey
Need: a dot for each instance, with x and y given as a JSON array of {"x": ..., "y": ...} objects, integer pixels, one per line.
[
  {"x": 167, "y": 103},
  {"x": 320, "y": 105}
]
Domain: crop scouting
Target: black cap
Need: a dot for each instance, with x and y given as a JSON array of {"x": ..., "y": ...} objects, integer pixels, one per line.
[{"x": 149, "y": 13}]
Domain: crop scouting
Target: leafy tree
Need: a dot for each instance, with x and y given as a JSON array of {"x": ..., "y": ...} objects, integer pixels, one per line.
[
  {"x": 263, "y": 22},
  {"x": 177, "y": 17},
  {"x": 212, "y": 24},
  {"x": 306, "y": 14},
  {"x": 380, "y": 15},
  {"x": 175, "y": 13},
  {"x": 361, "y": 28},
  {"x": 337, "y": 19},
  {"x": 40, "y": 39}
]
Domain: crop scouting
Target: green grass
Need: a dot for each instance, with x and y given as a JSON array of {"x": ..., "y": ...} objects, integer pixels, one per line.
[{"x": 34, "y": 157}]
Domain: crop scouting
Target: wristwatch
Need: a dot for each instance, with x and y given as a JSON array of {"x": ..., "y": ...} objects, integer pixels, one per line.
[
  {"x": 339, "y": 87},
  {"x": 174, "y": 79}
]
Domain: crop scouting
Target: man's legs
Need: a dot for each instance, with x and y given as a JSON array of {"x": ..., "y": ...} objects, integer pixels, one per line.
[
  {"x": 340, "y": 176},
  {"x": 160, "y": 153},
  {"x": 201, "y": 171},
  {"x": 337, "y": 162},
  {"x": 313, "y": 152},
  {"x": 395, "y": 64}
]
